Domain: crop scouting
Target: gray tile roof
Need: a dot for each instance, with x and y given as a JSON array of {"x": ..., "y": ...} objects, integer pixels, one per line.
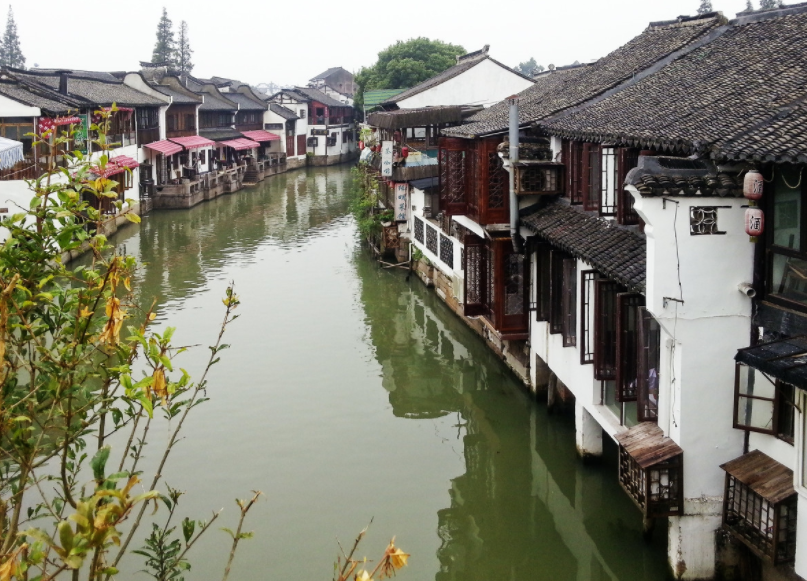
[
  {"x": 27, "y": 97},
  {"x": 740, "y": 96},
  {"x": 616, "y": 252},
  {"x": 327, "y": 73},
  {"x": 573, "y": 86},
  {"x": 216, "y": 103},
  {"x": 282, "y": 111},
  {"x": 220, "y": 134},
  {"x": 94, "y": 92},
  {"x": 316, "y": 95},
  {"x": 177, "y": 97},
  {"x": 245, "y": 102}
]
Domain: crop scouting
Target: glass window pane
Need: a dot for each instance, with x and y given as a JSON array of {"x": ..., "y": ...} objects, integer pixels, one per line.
[
  {"x": 755, "y": 413},
  {"x": 752, "y": 382},
  {"x": 11, "y": 131},
  {"x": 789, "y": 278},
  {"x": 787, "y": 210}
]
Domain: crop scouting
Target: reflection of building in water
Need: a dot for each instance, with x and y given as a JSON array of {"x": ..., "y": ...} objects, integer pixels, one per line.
[{"x": 524, "y": 509}]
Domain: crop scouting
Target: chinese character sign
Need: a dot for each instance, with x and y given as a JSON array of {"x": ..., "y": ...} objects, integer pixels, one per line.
[
  {"x": 401, "y": 201},
  {"x": 80, "y": 135},
  {"x": 386, "y": 158}
]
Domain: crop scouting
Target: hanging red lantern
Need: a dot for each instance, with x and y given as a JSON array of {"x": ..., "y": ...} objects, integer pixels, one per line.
[
  {"x": 404, "y": 152},
  {"x": 753, "y": 185},
  {"x": 361, "y": 146},
  {"x": 754, "y": 222}
]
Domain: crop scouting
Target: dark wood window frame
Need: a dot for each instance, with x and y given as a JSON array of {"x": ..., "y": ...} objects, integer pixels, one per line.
[
  {"x": 556, "y": 258},
  {"x": 605, "y": 329},
  {"x": 569, "y": 302},
  {"x": 782, "y": 403},
  {"x": 543, "y": 276},
  {"x": 587, "y": 292},
  {"x": 649, "y": 367},
  {"x": 627, "y": 345}
]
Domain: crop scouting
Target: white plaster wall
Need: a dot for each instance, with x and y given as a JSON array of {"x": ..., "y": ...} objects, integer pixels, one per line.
[
  {"x": 16, "y": 197},
  {"x": 484, "y": 84},
  {"x": 701, "y": 336},
  {"x": 774, "y": 447},
  {"x": 11, "y": 108}
]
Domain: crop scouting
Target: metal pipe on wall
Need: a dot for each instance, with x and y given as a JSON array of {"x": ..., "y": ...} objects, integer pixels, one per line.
[{"x": 513, "y": 159}]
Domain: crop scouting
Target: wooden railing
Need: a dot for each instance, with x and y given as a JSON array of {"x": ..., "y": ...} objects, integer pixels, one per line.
[{"x": 24, "y": 170}]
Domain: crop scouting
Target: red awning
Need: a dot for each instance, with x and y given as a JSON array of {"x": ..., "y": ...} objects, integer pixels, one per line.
[
  {"x": 165, "y": 147},
  {"x": 260, "y": 135},
  {"x": 47, "y": 123},
  {"x": 240, "y": 144},
  {"x": 193, "y": 142},
  {"x": 115, "y": 166}
]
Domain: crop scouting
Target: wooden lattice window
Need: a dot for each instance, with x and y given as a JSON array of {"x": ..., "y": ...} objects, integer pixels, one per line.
[
  {"x": 591, "y": 177},
  {"x": 556, "y": 259},
  {"x": 587, "y": 312},
  {"x": 453, "y": 179},
  {"x": 475, "y": 267},
  {"x": 497, "y": 182},
  {"x": 569, "y": 306},
  {"x": 651, "y": 470},
  {"x": 608, "y": 182},
  {"x": 760, "y": 506},
  {"x": 543, "y": 282},
  {"x": 447, "y": 251},
  {"x": 649, "y": 366},
  {"x": 627, "y": 346},
  {"x": 419, "y": 234},
  {"x": 627, "y": 159},
  {"x": 514, "y": 284},
  {"x": 605, "y": 329},
  {"x": 539, "y": 179},
  {"x": 431, "y": 239}
]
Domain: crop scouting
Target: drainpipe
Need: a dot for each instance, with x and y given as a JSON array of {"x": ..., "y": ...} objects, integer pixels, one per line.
[{"x": 513, "y": 102}]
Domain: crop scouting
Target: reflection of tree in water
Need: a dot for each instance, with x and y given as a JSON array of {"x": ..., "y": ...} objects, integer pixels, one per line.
[
  {"x": 182, "y": 249},
  {"x": 525, "y": 509}
]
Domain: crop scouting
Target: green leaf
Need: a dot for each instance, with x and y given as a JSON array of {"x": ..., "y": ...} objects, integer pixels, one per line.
[
  {"x": 228, "y": 531},
  {"x": 98, "y": 463},
  {"x": 66, "y": 536},
  {"x": 188, "y": 527},
  {"x": 132, "y": 217}
]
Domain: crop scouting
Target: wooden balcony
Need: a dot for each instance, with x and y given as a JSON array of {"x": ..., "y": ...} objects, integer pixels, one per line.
[{"x": 25, "y": 170}]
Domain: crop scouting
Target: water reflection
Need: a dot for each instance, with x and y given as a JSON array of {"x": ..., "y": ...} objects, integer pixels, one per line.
[{"x": 525, "y": 508}]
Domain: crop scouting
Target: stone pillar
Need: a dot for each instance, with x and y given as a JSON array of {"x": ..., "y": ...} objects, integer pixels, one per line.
[
  {"x": 692, "y": 538},
  {"x": 588, "y": 433}
]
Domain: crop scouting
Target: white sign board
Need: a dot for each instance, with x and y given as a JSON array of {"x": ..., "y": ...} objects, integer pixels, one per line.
[
  {"x": 401, "y": 201},
  {"x": 386, "y": 159}
]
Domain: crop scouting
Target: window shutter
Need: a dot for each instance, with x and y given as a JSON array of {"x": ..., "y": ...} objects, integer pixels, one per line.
[
  {"x": 543, "y": 281},
  {"x": 627, "y": 347},
  {"x": 605, "y": 329},
  {"x": 592, "y": 177},
  {"x": 627, "y": 159},
  {"x": 453, "y": 180},
  {"x": 556, "y": 259},
  {"x": 648, "y": 367},
  {"x": 569, "y": 306},
  {"x": 474, "y": 265}
]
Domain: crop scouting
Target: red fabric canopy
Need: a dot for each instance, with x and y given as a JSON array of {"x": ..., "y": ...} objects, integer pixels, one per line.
[
  {"x": 47, "y": 123},
  {"x": 193, "y": 142},
  {"x": 116, "y": 165},
  {"x": 240, "y": 144},
  {"x": 260, "y": 135},
  {"x": 165, "y": 147}
]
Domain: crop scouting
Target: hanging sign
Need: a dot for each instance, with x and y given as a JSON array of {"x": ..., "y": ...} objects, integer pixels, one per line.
[
  {"x": 386, "y": 158},
  {"x": 80, "y": 135},
  {"x": 401, "y": 201}
]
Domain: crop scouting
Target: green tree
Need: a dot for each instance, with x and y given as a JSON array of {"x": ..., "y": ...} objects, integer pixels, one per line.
[
  {"x": 749, "y": 7},
  {"x": 529, "y": 67},
  {"x": 705, "y": 7},
  {"x": 10, "y": 51},
  {"x": 770, "y": 4},
  {"x": 407, "y": 63},
  {"x": 184, "y": 51},
  {"x": 165, "y": 47}
]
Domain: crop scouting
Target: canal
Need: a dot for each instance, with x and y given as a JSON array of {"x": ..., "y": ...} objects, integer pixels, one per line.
[{"x": 352, "y": 393}]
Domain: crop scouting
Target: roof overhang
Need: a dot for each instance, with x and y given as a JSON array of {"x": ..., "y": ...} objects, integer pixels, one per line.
[{"x": 785, "y": 359}]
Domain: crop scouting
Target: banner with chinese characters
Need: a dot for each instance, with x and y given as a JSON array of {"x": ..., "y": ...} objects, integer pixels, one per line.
[
  {"x": 401, "y": 201},
  {"x": 386, "y": 158},
  {"x": 80, "y": 135}
]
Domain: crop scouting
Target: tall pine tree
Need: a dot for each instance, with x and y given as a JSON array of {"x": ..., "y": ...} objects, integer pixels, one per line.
[
  {"x": 769, "y": 4},
  {"x": 184, "y": 51},
  {"x": 749, "y": 7},
  {"x": 10, "y": 51},
  {"x": 165, "y": 46},
  {"x": 705, "y": 7}
]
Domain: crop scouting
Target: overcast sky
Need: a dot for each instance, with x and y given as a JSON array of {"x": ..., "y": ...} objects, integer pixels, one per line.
[{"x": 289, "y": 42}]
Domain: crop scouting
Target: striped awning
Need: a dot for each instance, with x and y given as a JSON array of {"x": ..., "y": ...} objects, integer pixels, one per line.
[
  {"x": 165, "y": 147},
  {"x": 260, "y": 135},
  {"x": 193, "y": 141},
  {"x": 240, "y": 144}
]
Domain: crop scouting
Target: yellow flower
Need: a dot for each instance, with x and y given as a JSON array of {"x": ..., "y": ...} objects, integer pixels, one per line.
[
  {"x": 111, "y": 331},
  {"x": 398, "y": 557},
  {"x": 159, "y": 385},
  {"x": 363, "y": 576}
]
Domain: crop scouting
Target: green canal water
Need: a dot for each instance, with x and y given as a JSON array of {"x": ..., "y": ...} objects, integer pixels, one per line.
[{"x": 351, "y": 393}]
